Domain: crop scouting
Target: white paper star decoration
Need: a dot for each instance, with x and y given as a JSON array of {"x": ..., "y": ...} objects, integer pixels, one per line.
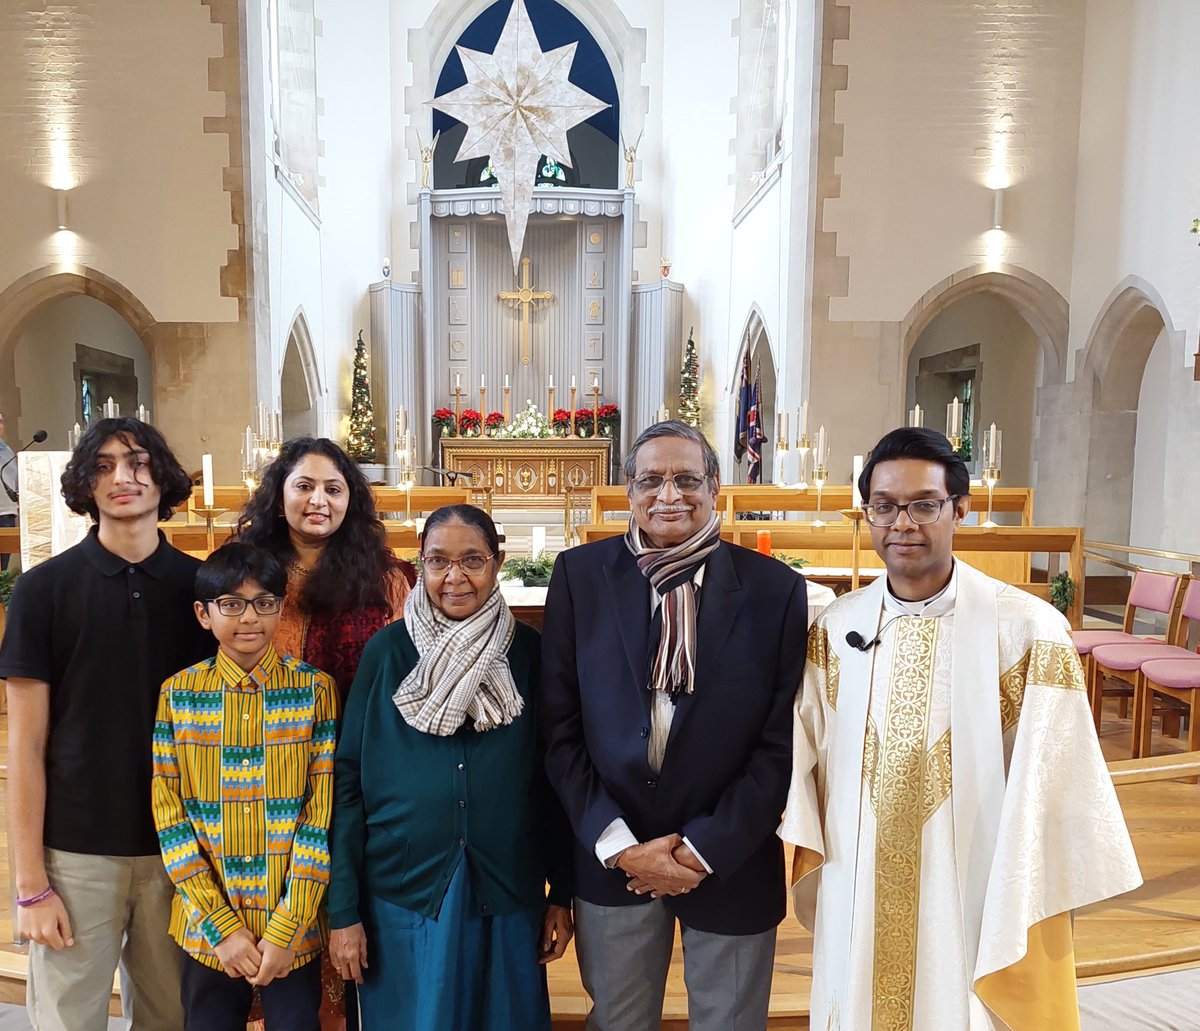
[{"x": 518, "y": 105}]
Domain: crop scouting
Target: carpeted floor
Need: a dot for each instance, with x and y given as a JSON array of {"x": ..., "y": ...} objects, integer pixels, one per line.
[
  {"x": 12, "y": 1018},
  {"x": 1157, "y": 1002}
]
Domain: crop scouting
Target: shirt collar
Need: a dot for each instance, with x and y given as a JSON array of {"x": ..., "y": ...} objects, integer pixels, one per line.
[
  {"x": 234, "y": 676},
  {"x": 940, "y": 604},
  {"x": 155, "y": 564}
]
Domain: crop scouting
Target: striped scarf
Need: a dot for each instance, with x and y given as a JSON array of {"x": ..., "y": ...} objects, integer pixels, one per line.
[
  {"x": 670, "y": 572},
  {"x": 463, "y": 668}
]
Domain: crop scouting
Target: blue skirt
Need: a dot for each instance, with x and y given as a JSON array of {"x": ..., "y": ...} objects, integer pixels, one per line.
[{"x": 460, "y": 972}]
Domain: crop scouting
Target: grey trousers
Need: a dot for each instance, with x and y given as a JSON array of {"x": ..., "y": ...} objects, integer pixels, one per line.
[
  {"x": 624, "y": 954},
  {"x": 119, "y": 908}
]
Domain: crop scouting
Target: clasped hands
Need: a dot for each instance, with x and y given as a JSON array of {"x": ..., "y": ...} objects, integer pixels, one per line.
[
  {"x": 663, "y": 866},
  {"x": 259, "y": 962}
]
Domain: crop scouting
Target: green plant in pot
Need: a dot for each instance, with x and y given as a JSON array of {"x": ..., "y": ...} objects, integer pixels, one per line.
[
  {"x": 532, "y": 572},
  {"x": 1062, "y": 592}
]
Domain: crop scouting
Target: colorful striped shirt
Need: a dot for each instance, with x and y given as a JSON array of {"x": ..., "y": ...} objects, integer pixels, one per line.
[{"x": 242, "y": 795}]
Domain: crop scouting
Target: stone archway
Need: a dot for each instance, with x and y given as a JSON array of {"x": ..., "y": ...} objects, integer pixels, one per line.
[
  {"x": 1039, "y": 304},
  {"x": 1113, "y": 362},
  {"x": 756, "y": 341},
  {"x": 300, "y": 383},
  {"x": 29, "y": 293}
]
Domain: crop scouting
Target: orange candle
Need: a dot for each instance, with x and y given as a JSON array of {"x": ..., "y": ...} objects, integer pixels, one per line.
[{"x": 763, "y": 538}]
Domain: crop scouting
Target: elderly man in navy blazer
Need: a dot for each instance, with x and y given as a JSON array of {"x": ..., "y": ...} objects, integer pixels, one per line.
[{"x": 670, "y": 663}]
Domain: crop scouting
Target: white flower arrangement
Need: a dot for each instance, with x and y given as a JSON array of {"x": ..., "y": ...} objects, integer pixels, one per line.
[{"x": 529, "y": 423}]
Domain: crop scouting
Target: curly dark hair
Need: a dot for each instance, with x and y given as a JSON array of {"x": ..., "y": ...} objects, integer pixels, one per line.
[
  {"x": 79, "y": 478},
  {"x": 356, "y": 565}
]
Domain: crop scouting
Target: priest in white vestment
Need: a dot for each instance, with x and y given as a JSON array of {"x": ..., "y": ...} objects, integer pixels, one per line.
[{"x": 949, "y": 804}]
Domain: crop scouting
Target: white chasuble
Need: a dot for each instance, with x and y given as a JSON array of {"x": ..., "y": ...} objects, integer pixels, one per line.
[{"x": 950, "y": 807}]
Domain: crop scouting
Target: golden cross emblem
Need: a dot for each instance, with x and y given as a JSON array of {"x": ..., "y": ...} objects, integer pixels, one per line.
[{"x": 526, "y": 297}]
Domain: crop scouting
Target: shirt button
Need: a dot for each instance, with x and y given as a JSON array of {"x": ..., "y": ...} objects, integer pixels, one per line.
[
  {"x": 461, "y": 842},
  {"x": 485, "y": 909},
  {"x": 132, "y": 569},
  {"x": 462, "y": 803},
  {"x": 247, "y": 859},
  {"x": 137, "y": 594},
  {"x": 245, "y": 762},
  {"x": 462, "y": 766},
  {"x": 651, "y": 783},
  {"x": 645, "y": 731}
]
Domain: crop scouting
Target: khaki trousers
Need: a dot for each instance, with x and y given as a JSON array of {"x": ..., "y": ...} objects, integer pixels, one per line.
[{"x": 119, "y": 908}]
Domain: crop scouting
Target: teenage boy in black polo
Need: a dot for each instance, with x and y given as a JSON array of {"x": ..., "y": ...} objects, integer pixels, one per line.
[{"x": 92, "y": 634}]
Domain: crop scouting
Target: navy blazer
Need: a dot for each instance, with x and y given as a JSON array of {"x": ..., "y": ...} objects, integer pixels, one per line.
[{"x": 725, "y": 775}]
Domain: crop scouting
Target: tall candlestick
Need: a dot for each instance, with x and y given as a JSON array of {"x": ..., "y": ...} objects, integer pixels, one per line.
[
  {"x": 572, "y": 406},
  {"x": 550, "y": 408},
  {"x": 855, "y": 494},
  {"x": 595, "y": 406},
  {"x": 206, "y": 477},
  {"x": 482, "y": 405},
  {"x": 457, "y": 403},
  {"x": 507, "y": 407}
]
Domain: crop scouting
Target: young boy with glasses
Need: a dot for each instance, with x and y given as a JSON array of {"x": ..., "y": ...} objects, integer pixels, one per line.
[{"x": 242, "y": 795}]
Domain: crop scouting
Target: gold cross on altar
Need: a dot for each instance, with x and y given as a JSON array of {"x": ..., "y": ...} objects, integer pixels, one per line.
[{"x": 526, "y": 297}]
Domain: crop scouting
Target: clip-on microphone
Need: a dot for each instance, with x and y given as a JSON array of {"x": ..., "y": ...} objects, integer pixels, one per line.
[{"x": 855, "y": 639}]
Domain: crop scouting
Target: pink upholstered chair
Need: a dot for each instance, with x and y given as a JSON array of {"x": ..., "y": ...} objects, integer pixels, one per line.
[
  {"x": 1114, "y": 668},
  {"x": 1149, "y": 592},
  {"x": 1177, "y": 682}
]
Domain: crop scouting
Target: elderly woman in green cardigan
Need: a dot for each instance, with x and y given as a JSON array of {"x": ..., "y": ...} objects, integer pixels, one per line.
[{"x": 445, "y": 831}]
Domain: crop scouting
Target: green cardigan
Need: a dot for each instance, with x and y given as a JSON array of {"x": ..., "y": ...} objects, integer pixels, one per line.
[{"x": 408, "y": 805}]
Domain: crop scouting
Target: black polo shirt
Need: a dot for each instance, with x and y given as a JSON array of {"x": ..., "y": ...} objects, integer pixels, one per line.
[{"x": 104, "y": 634}]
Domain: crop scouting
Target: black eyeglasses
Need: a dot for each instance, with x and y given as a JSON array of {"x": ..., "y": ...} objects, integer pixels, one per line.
[
  {"x": 685, "y": 483},
  {"x": 924, "y": 510},
  {"x": 439, "y": 565},
  {"x": 264, "y": 605}
]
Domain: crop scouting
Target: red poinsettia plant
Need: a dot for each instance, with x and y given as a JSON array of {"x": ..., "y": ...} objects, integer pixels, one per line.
[
  {"x": 469, "y": 423},
  {"x": 493, "y": 421},
  {"x": 560, "y": 422},
  {"x": 443, "y": 418}
]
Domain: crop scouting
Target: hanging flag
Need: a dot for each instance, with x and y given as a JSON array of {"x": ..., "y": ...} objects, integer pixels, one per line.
[
  {"x": 755, "y": 437},
  {"x": 741, "y": 419}
]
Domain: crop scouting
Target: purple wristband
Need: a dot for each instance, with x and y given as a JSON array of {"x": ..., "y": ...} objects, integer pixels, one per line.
[{"x": 46, "y": 893}]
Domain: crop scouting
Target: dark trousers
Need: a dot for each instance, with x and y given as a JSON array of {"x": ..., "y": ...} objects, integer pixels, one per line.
[
  {"x": 6, "y": 520},
  {"x": 214, "y": 1001}
]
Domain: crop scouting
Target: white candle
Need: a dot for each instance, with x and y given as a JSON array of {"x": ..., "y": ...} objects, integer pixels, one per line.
[
  {"x": 804, "y": 419},
  {"x": 855, "y": 494},
  {"x": 954, "y": 419},
  {"x": 595, "y": 382},
  {"x": 572, "y": 382},
  {"x": 248, "y": 446},
  {"x": 457, "y": 380},
  {"x": 506, "y": 381},
  {"x": 482, "y": 384},
  {"x": 993, "y": 455},
  {"x": 550, "y": 384},
  {"x": 783, "y": 432},
  {"x": 402, "y": 423},
  {"x": 819, "y": 456},
  {"x": 142, "y": 414},
  {"x": 207, "y": 478}
]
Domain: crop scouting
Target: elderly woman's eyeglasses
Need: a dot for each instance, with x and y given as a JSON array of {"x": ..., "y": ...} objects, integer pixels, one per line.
[
  {"x": 439, "y": 565},
  {"x": 924, "y": 510},
  {"x": 264, "y": 605},
  {"x": 685, "y": 483}
]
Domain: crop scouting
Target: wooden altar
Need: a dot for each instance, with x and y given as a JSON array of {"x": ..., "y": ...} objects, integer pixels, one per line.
[{"x": 529, "y": 473}]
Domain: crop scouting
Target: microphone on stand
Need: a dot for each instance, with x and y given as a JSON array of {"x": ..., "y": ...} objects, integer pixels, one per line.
[{"x": 15, "y": 495}]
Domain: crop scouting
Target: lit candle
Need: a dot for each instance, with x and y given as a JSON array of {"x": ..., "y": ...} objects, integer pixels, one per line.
[
  {"x": 595, "y": 381},
  {"x": 207, "y": 478},
  {"x": 855, "y": 495}
]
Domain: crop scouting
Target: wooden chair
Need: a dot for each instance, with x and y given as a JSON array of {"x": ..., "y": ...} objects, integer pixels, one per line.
[
  {"x": 1149, "y": 592},
  {"x": 1115, "y": 668},
  {"x": 1175, "y": 683}
]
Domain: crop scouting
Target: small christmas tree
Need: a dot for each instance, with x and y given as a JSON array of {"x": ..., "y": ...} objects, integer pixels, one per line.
[
  {"x": 689, "y": 385},
  {"x": 360, "y": 445}
]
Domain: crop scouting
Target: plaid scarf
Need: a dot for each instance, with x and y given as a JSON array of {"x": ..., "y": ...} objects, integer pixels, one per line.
[
  {"x": 463, "y": 668},
  {"x": 670, "y": 572}
]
